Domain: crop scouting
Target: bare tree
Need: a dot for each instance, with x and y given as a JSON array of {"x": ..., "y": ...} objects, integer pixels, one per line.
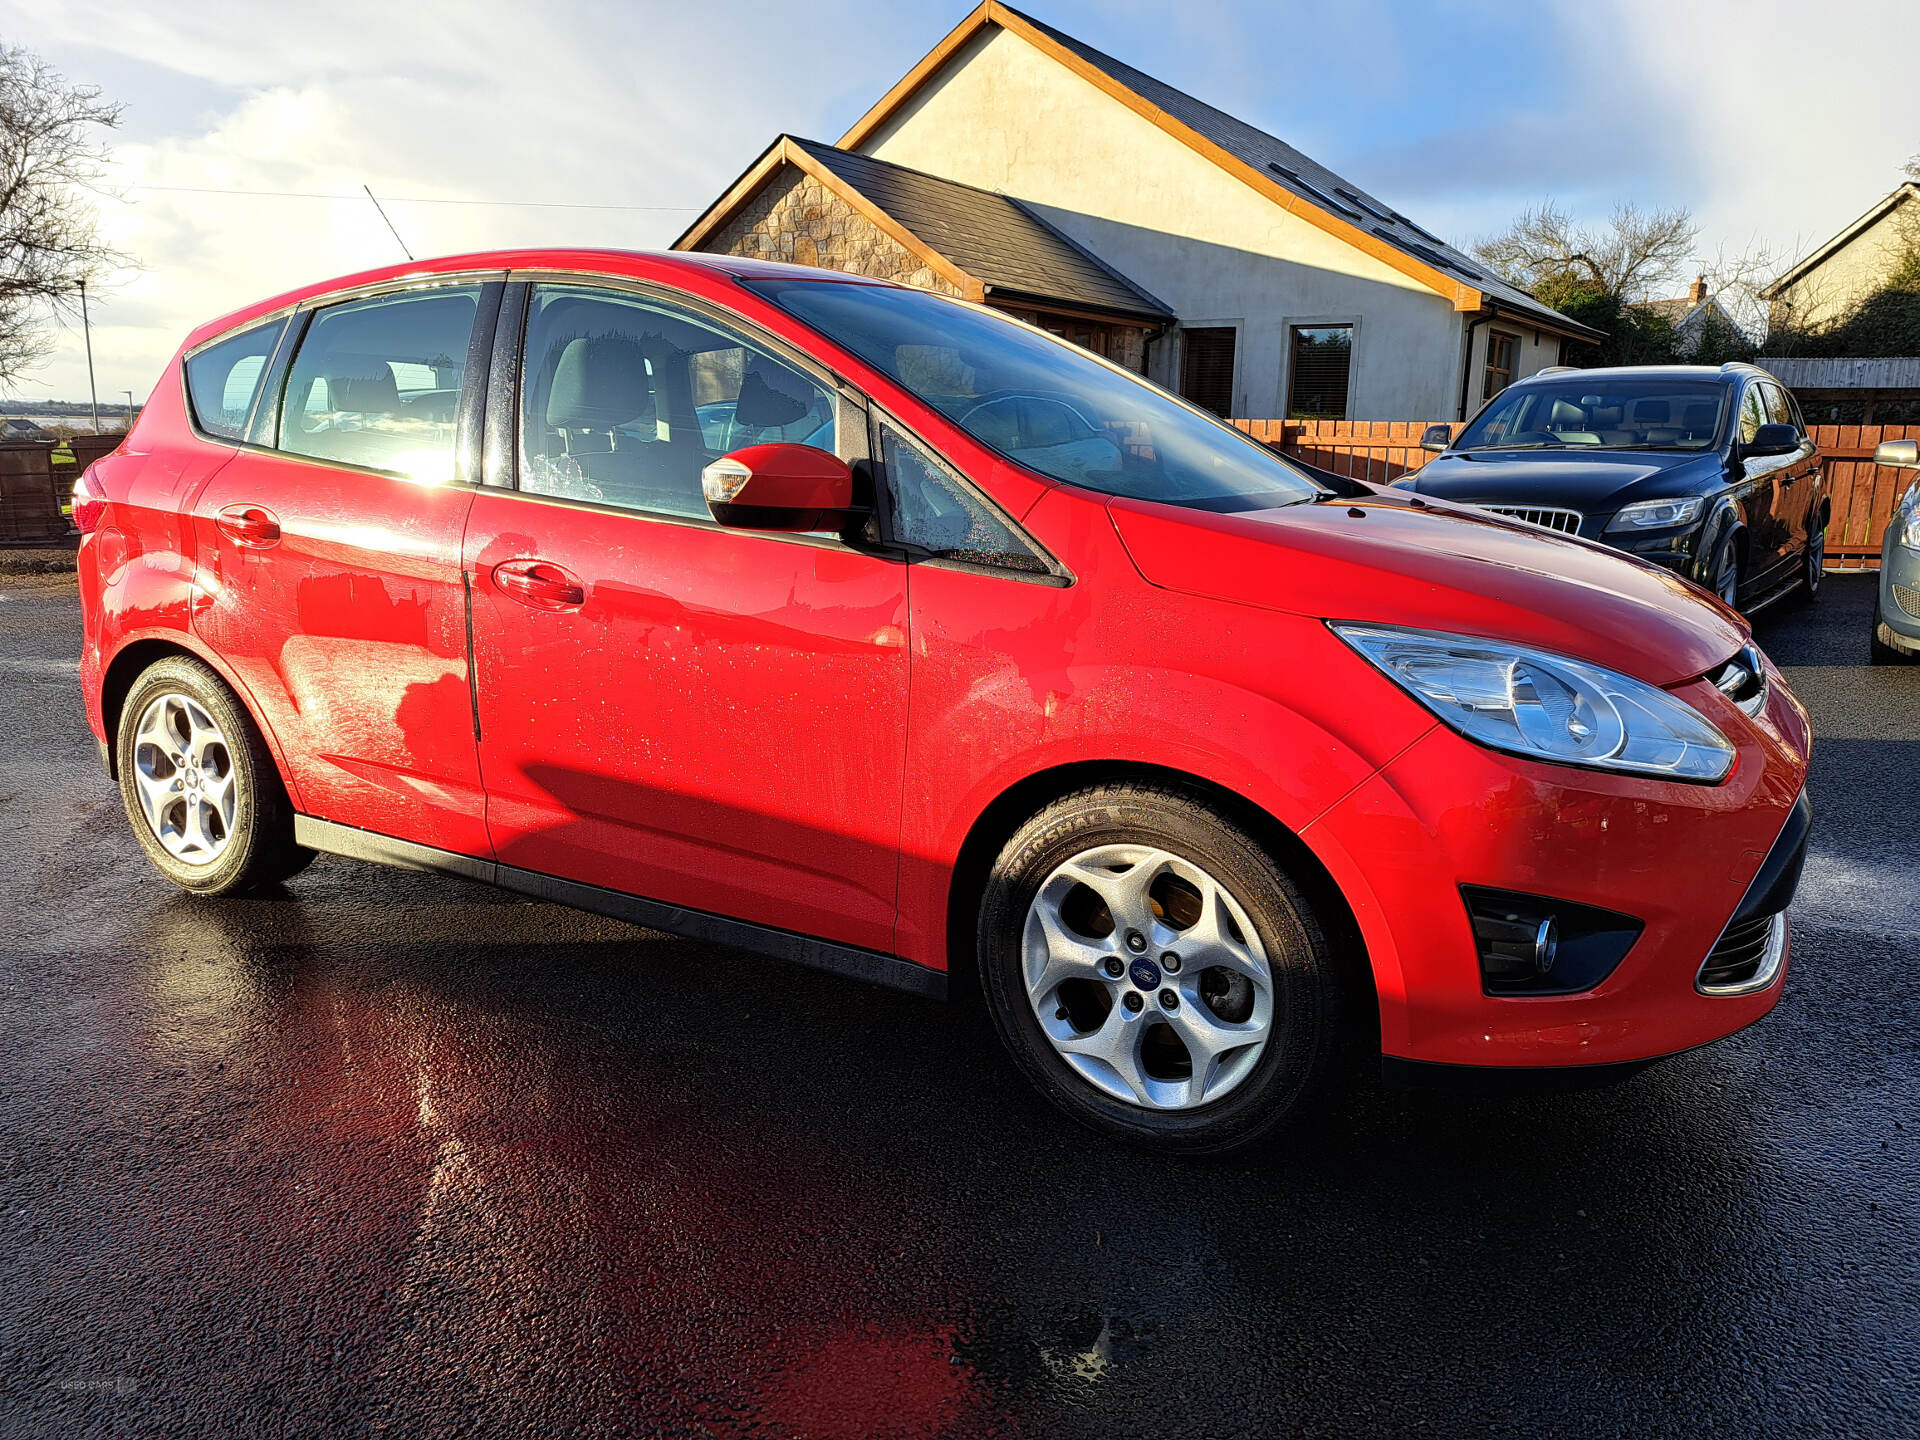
[
  {"x": 52, "y": 159},
  {"x": 1629, "y": 258}
]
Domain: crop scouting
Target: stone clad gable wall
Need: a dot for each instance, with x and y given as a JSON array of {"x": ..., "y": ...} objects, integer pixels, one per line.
[{"x": 794, "y": 218}]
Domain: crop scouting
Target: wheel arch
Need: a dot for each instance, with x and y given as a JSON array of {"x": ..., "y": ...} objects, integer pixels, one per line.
[
  {"x": 134, "y": 658},
  {"x": 1026, "y": 797}
]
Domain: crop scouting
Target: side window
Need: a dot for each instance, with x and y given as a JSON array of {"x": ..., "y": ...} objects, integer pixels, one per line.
[
  {"x": 1778, "y": 411},
  {"x": 624, "y": 400},
  {"x": 932, "y": 511},
  {"x": 223, "y": 379},
  {"x": 1753, "y": 414},
  {"x": 376, "y": 383}
]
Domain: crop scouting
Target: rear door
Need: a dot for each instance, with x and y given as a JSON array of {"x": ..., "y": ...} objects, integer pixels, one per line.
[
  {"x": 1761, "y": 491},
  {"x": 707, "y": 717},
  {"x": 330, "y": 555},
  {"x": 1795, "y": 481}
]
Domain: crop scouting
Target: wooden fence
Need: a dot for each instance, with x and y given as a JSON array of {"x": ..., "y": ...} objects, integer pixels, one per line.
[
  {"x": 1864, "y": 494},
  {"x": 36, "y": 486}
]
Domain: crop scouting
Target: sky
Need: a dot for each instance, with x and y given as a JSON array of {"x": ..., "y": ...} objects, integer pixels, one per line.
[{"x": 1766, "y": 119}]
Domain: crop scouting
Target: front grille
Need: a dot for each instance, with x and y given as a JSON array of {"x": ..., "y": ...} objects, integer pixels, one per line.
[
  {"x": 1567, "y": 522},
  {"x": 1746, "y": 957},
  {"x": 1908, "y": 599}
]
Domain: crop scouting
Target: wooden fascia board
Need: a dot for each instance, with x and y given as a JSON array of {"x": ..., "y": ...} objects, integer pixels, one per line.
[
  {"x": 722, "y": 210},
  {"x": 785, "y": 152},
  {"x": 1464, "y": 297}
]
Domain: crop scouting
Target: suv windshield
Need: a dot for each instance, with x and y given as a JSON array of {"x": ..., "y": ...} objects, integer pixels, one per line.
[
  {"x": 1048, "y": 405},
  {"x": 1598, "y": 410}
]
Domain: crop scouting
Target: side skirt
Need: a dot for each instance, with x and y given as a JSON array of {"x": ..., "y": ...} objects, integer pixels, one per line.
[{"x": 870, "y": 965}]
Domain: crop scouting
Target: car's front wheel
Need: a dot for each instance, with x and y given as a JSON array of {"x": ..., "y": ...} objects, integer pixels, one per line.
[
  {"x": 200, "y": 787},
  {"x": 1813, "y": 564},
  {"x": 1725, "y": 572},
  {"x": 1155, "y": 973},
  {"x": 1883, "y": 653}
]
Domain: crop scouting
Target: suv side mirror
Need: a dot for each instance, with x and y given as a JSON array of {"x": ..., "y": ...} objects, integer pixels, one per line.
[
  {"x": 1902, "y": 454},
  {"x": 781, "y": 486},
  {"x": 1771, "y": 440},
  {"x": 1436, "y": 437}
]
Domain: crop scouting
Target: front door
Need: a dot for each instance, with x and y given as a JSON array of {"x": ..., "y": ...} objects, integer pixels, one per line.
[
  {"x": 1765, "y": 482},
  {"x": 331, "y": 569},
  {"x": 707, "y": 717}
]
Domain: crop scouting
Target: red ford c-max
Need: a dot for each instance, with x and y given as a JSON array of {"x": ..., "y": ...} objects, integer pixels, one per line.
[{"x": 845, "y": 622}]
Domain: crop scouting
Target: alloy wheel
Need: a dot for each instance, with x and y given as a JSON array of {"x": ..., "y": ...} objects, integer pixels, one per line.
[
  {"x": 1816, "y": 560},
  {"x": 184, "y": 779},
  {"x": 1147, "y": 976}
]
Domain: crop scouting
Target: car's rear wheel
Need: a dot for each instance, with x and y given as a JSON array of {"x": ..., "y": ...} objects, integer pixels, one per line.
[
  {"x": 200, "y": 787},
  {"x": 1725, "y": 571},
  {"x": 1155, "y": 973},
  {"x": 1813, "y": 564}
]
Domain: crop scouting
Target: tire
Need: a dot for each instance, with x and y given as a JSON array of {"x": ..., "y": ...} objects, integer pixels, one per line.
[
  {"x": 1883, "y": 653},
  {"x": 1724, "y": 574},
  {"x": 1813, "y": 565},
  {"x": 1041, "y": 954},
  {"x": 187, "y": 749}
]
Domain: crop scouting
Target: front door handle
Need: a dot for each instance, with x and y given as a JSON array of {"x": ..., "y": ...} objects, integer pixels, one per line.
[
  {"x": 539, "y": 583},
  {"x": 248, "y": 525}
]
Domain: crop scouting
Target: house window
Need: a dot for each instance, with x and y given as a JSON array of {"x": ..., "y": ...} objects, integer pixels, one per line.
[
  {"x": 1322, "y": 367},
  {"x": 1500, "y": 350},
  {"x": 1206, "y": 368}
]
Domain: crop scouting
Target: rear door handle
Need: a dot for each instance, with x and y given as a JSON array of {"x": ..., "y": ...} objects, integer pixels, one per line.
[
  {"x": 539, "y": 583},
  {"x": 248, "y": 525}
]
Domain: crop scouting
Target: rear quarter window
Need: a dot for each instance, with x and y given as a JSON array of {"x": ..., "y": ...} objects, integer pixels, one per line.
[{"x": 223, "y": 379}]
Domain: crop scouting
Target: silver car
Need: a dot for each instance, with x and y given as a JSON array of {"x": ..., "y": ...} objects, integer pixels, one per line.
[{"x": 1896, "y": 613}]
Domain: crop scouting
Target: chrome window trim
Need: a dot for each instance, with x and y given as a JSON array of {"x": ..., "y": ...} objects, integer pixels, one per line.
[{"x": 439, "y": 280}]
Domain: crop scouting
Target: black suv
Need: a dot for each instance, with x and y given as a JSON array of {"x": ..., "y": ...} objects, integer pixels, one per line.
[{"x": 1708, "y": 472}]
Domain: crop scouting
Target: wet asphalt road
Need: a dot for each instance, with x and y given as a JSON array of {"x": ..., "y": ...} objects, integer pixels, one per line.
[{"x": 393, "y": 1154}]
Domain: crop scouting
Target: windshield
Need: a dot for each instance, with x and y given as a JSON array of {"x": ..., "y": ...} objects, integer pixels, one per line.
[
  {"x": 1048, "y": 405},
  {"x": 1598, "y": 410}
]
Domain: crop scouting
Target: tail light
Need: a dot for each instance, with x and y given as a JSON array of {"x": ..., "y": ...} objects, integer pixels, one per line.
[{"x": 89, "y": 503}]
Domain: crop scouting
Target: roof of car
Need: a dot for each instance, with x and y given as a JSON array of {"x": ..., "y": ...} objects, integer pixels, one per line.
[
  {"x": 1726, "y": 373},
  {"x": 638, "y": 263}
]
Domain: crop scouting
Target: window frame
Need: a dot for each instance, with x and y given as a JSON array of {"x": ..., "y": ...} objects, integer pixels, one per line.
[
  {"x": 283, "y": 319},
  {"x": 1295, "y": 323},
  {"x": 267, "y": 403},
  {"x": 1487, "y": 369},
  {"x": 1056, "y": 575},
  {"x": 500, "y": 462}
]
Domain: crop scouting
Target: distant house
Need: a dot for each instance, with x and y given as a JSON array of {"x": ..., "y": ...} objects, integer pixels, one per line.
[
  {"x": 1692, "y": 316},
  {"x": 1019, "y": 167},
  {"x": 1835, "y": 277},
  {"x": 18, "y": 428},
  {"x": 1823, "y": 289}
]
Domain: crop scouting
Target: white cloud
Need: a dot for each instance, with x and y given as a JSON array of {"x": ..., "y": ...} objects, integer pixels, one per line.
[{"x": 1771, "y": 122}]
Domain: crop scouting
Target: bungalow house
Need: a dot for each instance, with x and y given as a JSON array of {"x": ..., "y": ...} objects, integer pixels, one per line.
[{"x": 1018, "y": 167}]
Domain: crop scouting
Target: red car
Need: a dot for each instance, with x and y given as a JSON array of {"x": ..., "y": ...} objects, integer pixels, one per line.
[{"x": 845, "y": 622}]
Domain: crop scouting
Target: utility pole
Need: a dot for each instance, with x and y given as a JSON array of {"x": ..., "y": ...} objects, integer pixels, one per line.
[
  {"x": 86, "y": 328},
  {"x": 129, "y": 395}
]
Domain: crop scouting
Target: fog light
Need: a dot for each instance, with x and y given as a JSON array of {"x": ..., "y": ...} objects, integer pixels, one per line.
[{"x": 1535, "y": 945}]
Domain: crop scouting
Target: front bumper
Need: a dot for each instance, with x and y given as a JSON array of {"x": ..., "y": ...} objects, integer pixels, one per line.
[
  {"x": 1899, "y": 625},
  {"x": 1689, "y": 861}
]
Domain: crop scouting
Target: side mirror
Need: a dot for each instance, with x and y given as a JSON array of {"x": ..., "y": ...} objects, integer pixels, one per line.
[
  {"x": 1902, "y": 454},
  {"x": 778, "y": 487},
  {"x": 1771, "y": 440},
  {"x": 1436, "y": 437}
]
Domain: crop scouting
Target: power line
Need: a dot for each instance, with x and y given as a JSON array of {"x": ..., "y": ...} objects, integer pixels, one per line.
[{"x": 404, "y": 199}]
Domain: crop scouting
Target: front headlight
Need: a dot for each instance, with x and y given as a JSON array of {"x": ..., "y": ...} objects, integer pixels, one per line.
[
  {"x": 1545, "y": 706},
  {"x": 1658, "y": 514},
  {"x": 1910, "y": 535}
]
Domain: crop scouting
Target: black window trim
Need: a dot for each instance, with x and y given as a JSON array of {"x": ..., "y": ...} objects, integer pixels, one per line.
[
  {"x": 300, "y": 314},
  {"x": 1056, "y": 575}
]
